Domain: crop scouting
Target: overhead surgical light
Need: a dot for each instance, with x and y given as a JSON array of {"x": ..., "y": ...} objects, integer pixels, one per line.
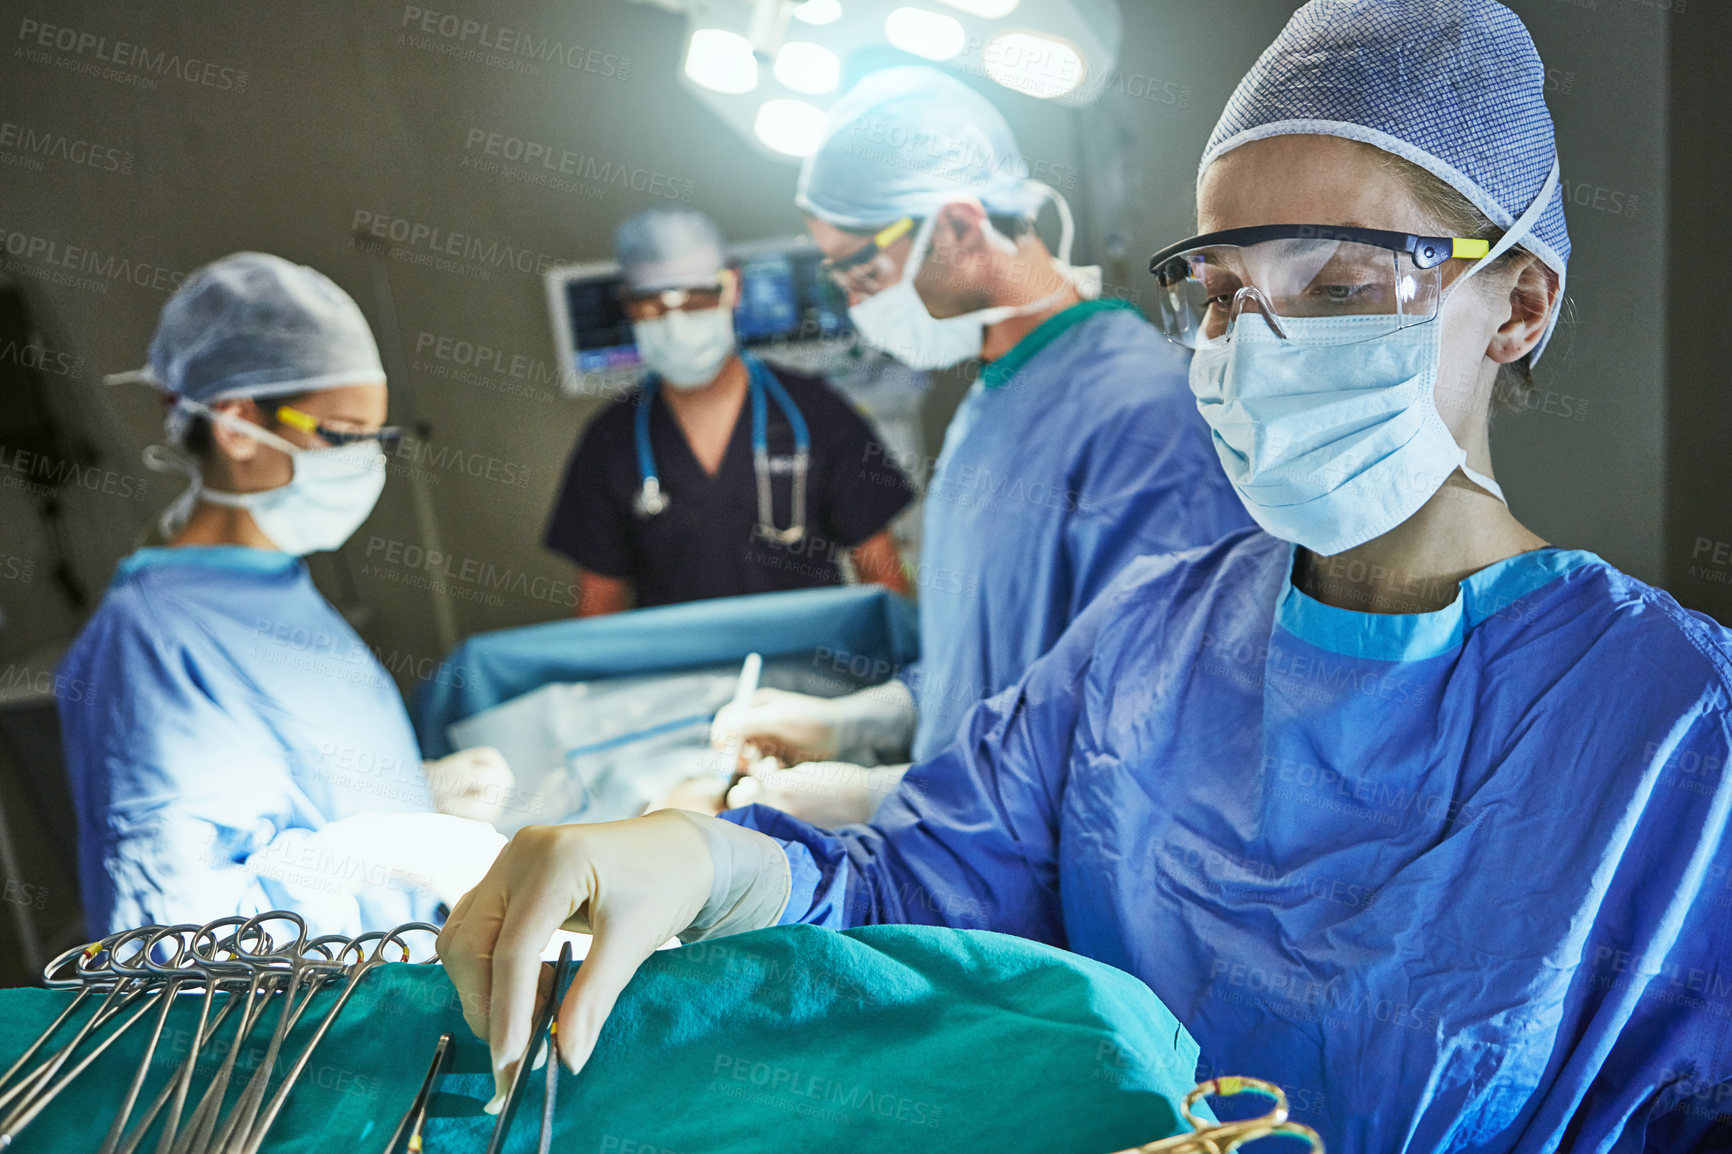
[
  {"x": 722, "y": 61},
  {"x": 819, "y": 12},
  {"x": 791, "y": 127},
  {"x": 1040, "y": 66},
  {"x": 985, "y": 9},
  {"x": 807, "y": 67},
  {"x": 769, "y": 69},
  {"x": 925, "y": 33}
]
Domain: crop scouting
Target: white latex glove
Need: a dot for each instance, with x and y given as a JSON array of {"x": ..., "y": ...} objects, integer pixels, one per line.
[
  {"x": 825, "y": 793},
  {"x": 868, "y": 727},
  {"x": 436, "y": 852},
  {"x": 633, "y": 884},
  {"x": 472, "y": 783}
]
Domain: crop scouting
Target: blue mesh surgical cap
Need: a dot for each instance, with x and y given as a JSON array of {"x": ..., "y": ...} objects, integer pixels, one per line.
[
  {"x": 907, "y": 141},
  {"x": 256, "y": 325},
  {"x": 1454, "y": 86},
  {"x": 669, "y": 248}
]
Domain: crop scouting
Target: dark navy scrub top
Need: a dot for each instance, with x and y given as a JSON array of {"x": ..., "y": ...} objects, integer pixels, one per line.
[{"x": 704, "y": 543}]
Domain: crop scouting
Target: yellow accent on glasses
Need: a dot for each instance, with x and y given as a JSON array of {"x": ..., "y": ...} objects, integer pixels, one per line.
[
  {"x": 844, "y": 267},
  {"x": 388, "y": 437}
]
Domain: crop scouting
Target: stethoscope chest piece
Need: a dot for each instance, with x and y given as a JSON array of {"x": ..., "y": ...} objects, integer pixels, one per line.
[{"x": 650, "y": 500}]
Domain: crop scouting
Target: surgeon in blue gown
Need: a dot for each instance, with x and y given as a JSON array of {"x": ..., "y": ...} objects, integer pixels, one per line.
[
  {"x": 1077, "y": 448},
  {"x": 1390, "y": 800},
  {"x": 241, "y": 748}
]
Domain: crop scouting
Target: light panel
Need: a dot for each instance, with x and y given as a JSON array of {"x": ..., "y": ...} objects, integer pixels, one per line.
[
  {"x": 922, "y": 32},
  {"x": 791, "y": 127},
  {"x": 807, "y": 67},
  {"x": 985, "y": 9},
  {"x": 1040, "y": 66},
  {"x": 722, "y": 61},
  {"x": 819, "y": 12}
]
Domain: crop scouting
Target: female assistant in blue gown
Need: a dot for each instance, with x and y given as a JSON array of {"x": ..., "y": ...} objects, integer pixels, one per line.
[
  {"x": 1390, "y": 801},
  {"x": 242, "y": 749}
]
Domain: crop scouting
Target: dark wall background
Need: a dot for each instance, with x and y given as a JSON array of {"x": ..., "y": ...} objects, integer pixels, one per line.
[
  {"x": 313, "y": 113},
  {"x": 1698, "y": 377}
]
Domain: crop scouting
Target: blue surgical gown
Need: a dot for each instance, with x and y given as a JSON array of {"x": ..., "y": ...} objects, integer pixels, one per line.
[
  {"x": 1456, "y": 880},
  {"x": 1076, "y": 452},
  {"x": 228, "y": 703}
]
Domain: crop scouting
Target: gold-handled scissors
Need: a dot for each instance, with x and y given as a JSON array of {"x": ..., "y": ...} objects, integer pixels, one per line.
[{"x": 1226, "y": 1136}]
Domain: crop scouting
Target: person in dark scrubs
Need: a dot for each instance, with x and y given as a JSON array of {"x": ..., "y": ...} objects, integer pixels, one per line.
[{"x": 719, "y": 476}]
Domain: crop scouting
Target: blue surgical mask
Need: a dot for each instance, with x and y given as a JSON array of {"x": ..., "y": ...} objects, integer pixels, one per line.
[
  {"x": 328, "y": 496},
  {"x": 1330, "y": 438},
  {"x": 895, "y": 319},
  {"x": 687, "y": 349}
]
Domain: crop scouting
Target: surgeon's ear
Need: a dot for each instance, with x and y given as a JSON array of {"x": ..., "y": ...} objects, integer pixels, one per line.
[
  {"x": 1531, "y": 299},
  {"x": 960, "y": 230},
  {"x": 236, "y": 445}
]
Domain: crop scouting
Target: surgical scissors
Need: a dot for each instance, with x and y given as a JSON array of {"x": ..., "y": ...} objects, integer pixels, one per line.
[
  {"x": 1227, "y": 1136},
  {"x": 545, "y": 1026}
]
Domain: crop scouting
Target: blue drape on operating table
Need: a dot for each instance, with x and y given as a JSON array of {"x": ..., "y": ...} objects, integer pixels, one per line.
[{"x": 860, "y": 627}]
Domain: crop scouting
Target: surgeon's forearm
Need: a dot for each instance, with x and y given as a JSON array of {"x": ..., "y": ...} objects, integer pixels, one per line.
[
  {"x": 598, "y": 594},
  {"x": 879, "y": 562}
]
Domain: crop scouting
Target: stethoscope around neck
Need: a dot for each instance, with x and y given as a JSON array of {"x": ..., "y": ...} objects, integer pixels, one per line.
[{"x": 651, "y": 501}]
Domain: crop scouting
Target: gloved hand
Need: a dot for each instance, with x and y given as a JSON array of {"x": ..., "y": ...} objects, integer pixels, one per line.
[
  {"x": 436, "y": 852},
  {"x": 825, "y": 793},
  {"x": 868, "y": 727},
  {"x": 707, "y": 794},
  {"x": 472, "y": 783},
  {"x": 633, "y": 884}
]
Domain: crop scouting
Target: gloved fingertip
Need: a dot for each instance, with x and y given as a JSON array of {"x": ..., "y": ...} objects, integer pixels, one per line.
[
  {"x": 540, "y": 1057},
  {"x": 496, "y": 1103},
  {"x": 574, "y": 1060}
]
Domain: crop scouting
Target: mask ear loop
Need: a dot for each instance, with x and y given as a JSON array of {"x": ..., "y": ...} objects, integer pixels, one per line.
[
  {"x": 922, "y": 245},
  {"x": 258, "y": 433},
  {"x": 1521, "y": 229},
  {"x": 162, "y": 459},
  {"x": 1085, "y": 278}
]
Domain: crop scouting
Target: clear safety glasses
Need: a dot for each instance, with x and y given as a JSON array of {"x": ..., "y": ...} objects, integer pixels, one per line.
[
  {"x": 654, "y": 306},
  {"x": 1292, "y": 271},
  {"x": 867, "y": 269},
  {"x": 389, "y": 437}
]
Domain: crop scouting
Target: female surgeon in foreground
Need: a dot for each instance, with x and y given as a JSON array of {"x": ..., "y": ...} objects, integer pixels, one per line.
[
  {"x": 240, "y": 748},
  {"x": 1391, "y": 802}
]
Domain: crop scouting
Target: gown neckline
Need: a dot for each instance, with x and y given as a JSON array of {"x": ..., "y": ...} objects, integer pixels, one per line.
[{"x": 1491, "y": 591}]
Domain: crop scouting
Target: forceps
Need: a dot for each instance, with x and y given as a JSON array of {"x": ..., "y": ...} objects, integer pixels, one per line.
[
  {"x": 1227, "y": 1136},
  {"x": 545, "y": 1024},
  {"x": 130, "y": 969},
  {"x": 363, "y": 965},
  {"x": 39, "y": 1087},
  {"x": 406, "y": 1139}
]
